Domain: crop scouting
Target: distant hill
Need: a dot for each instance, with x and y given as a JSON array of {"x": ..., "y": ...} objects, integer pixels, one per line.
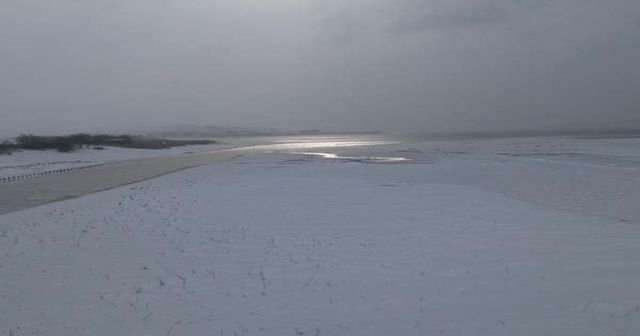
[
  {"x": 201, "y": 131},
  {"x": 211, "y": 131}
]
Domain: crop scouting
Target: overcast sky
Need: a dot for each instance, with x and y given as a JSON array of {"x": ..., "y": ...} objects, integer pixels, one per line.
[{"x": 397, "y": 65}]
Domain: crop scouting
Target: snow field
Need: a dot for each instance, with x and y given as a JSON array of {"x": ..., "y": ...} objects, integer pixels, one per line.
[{"x": 278, "y": 245}]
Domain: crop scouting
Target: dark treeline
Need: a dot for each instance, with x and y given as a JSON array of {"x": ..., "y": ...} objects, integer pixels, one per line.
[
  {"x": 6, "y": 147},
  {"x": 75, "y": 141},
  {"x": 70, "y": 142}
]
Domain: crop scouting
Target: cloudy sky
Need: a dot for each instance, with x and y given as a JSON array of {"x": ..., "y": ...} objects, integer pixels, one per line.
[{"x": 397, "y": 65}]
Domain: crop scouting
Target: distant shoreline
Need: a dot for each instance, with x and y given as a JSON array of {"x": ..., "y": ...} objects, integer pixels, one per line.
[{"x": 583, "y": 134}]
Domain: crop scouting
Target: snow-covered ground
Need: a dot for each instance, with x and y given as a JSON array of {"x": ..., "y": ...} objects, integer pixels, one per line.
[
  {"x": 12, "y": 173},
  {"x": 28, "y": 163},
  {"x": 463, "y": 238}
]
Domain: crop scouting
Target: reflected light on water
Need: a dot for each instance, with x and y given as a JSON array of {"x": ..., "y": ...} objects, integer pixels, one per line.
[
  {"x": 301, "y": 144},
  {"x": 357, "y": 158}
]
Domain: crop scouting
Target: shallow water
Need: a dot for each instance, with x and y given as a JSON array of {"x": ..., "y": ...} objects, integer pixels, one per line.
[{"x": 365, "y": 159}]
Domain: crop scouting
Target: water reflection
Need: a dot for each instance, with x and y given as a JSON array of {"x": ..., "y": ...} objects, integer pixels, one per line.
[
  {"x": 372, "y": 159},
  {"x": 303, "y": 143},
  {"x": 320, "y": 144}
]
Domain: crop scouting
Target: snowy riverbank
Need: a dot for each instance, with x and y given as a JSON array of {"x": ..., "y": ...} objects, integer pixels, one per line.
[
  {"x": 466, "y": 238},
  {"x": 31, "y": 163}
]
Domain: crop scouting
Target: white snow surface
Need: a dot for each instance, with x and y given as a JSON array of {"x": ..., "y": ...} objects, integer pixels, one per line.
[
  {"x": 30, "y": 162},
  {"x": 467, "y": 238}
]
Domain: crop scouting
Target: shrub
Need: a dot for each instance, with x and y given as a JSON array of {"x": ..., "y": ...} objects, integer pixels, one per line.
[
  {"x": 6, "y": 148},
  {"x": 65, "y": 145},
  {"x": 29, "y": 141}
]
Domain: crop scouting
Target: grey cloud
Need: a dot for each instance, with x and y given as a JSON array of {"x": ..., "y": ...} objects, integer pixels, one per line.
[
  {"x": 452, "y": 14},
  {"x": 415, "y": 65},
  {"x": 419, "y": 15}
]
